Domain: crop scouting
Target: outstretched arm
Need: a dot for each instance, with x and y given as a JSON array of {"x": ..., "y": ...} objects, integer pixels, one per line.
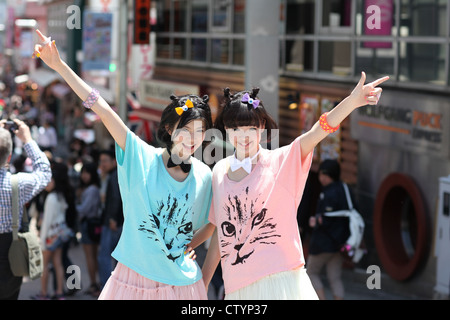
[
  {"x": 362, "y": 95},
  {"x": 50, "y": 55}
]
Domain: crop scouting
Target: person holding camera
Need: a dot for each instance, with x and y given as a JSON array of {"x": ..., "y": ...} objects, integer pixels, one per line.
[{"x": 30, "y": 184}]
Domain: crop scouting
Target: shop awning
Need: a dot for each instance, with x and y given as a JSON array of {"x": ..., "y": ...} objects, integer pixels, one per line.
[{"x": 44, "y": 77}]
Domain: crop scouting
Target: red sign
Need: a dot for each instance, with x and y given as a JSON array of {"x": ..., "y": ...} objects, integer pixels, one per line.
[
  {"x": 378, "y": 21},
  {"x": 142, "y": 21}
]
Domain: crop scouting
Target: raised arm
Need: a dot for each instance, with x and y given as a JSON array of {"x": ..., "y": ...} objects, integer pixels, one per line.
[
  {"x": 362, "y": 95},
  {"x": 50, "y": 55}
]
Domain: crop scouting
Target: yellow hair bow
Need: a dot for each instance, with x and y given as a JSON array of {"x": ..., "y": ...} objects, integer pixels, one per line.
[{"x": 184, "y": 108}]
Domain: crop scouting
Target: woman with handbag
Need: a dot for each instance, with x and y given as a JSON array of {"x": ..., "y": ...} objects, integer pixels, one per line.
[
  {"x": 329, "y": 233},
  {"x": 54, "y": 230},
  {"x": 88, "y": 208}
]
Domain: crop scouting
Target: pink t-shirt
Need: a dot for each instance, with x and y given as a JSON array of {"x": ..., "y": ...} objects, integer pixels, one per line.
[{"x": 256, "y": 218}]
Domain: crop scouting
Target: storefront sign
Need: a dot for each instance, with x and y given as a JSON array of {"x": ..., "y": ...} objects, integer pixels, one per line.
[
  {"x": 97, "y": 29},
  {"x": 155, "y": 94},
  {"x": 407, "y": 121}
]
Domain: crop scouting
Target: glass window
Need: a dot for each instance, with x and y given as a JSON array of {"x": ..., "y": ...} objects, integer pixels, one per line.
[
  {"x": 422, "y": 62},
  {"x": 180, "y": 16},
  {"x": 239, "y": 16},
  {"x": 199, "y": 17},
  {"x": 300, "y": 16},
  {"x": 198, "y": 50},
  {"x": 179, "y": 48},
  {"x": 219, "y": 51},
  {"x": 299, "y": 55},
  {"x": 162, "y": 16},
  {"x": 238, "y": 52},
  {"x": 335, "y": 57},
  {"x": 336, "y": 13},
  {"x": 374, "y": 60},
  {"x": 163, "y": 47},
  {"x": 423, "y": 18}
]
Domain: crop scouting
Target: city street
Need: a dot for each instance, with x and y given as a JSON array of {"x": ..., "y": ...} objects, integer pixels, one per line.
[{"x": 355, "y": 289}]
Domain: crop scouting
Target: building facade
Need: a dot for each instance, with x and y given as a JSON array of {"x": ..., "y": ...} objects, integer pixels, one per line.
[{"x": 392, "y": 155}]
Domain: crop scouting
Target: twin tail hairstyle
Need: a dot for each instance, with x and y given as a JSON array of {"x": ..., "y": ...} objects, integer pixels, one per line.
[
  {"x": 199, "y": 111},
  {"x": 237, "y": 113}
]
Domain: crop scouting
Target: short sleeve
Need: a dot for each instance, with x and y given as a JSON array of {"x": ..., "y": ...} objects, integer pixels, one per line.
[
  {"x": 292, "y": 171},
  {"x": 134, "y": 162}
]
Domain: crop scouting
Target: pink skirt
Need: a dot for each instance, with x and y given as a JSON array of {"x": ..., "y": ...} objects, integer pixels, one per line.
[{"x": 126, "y": 284}]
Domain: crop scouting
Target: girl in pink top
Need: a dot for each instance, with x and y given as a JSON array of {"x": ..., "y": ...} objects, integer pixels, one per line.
[{"x": 256, "y": 193}]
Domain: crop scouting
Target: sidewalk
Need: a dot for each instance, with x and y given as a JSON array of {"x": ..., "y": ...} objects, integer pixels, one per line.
[{"x": 355, "y": 285}]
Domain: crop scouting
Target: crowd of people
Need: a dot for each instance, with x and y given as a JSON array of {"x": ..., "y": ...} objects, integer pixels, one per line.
[{"x": 81, "y": 204}]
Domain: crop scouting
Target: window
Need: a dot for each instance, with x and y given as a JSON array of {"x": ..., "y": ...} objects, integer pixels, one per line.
[
  {"x": 299, "y": 55},
  {"x": 423, "y": 18},
  {"x": 408, "y": 40},
  {"x": 199, "y": 18},
  {"x": 300, "y": 17},
  {"x": 180, "y": 16},
  {"x": 209, "y": 32},
  {"x": 422, "y": 62},
  {"x": 335, "y": 57}
]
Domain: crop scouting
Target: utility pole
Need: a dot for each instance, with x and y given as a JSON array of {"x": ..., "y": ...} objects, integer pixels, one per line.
[{"x": 123, "y": 45}]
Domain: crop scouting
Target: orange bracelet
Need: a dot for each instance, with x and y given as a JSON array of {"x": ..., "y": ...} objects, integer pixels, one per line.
[{"x": 324, "y": 124}]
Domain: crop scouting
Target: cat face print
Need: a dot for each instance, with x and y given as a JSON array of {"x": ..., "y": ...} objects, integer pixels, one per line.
[
  {"x": 171, "y": 225},
  {"x": 245, "y": 230}
]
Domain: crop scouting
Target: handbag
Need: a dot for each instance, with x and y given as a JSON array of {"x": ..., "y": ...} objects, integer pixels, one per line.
[
  {"x": 24, "y": 255},
  {"x": 351, "y": 249},
  {"x": 94, "y": 228}
]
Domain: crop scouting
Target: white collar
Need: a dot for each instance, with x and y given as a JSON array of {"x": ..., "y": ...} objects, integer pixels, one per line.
[{"x": 245, "y": 164}]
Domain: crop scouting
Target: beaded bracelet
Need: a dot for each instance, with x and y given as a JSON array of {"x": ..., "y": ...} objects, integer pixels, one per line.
[
  {"x": 324, "y": 124},
  {"x": 91, "y": 99}
]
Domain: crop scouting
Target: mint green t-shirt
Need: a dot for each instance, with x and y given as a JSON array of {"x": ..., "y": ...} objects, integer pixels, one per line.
[{"x": 160, "y": 213}]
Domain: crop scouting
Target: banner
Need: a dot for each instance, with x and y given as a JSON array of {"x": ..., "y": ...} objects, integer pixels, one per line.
[
  {"x": 378, "y": 15},
  {"x": 97, "y": 28}
]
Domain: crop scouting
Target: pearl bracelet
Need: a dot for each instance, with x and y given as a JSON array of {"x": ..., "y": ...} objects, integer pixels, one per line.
[{"x": 91, "y": 99}]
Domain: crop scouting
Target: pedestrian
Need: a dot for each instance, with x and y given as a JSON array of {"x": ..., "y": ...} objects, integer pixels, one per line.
[
  {"x": 88, "y": 208},
  {"x": 166, "y": 194},
  {"x": 30, "y": 184},
  {"x": 256, "y": 193},
  {"x": 47, "y": 139},
  {"x": 55, "y": 231},
  {"x": 112, "y": 215},
  {"x": 329, "y": 233}
]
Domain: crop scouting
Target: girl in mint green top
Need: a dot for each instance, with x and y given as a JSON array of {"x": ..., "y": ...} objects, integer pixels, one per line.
[{"x": 166, "y": 193}]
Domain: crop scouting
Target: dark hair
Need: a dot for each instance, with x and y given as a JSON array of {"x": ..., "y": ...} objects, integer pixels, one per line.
[
  {"x": 331, "y": 168},
  {"x": 235, "y": 113},
  {"x": 170, "y": 116},
  {"x": 60, "y": 174},
  {"x": 109, "y": 153},
  {"x": 91, "y": 168}
]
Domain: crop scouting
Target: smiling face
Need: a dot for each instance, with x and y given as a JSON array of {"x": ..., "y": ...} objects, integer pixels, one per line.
[
  {"x": 188, "y": 139},
  {"x": 245, "y": 140}
]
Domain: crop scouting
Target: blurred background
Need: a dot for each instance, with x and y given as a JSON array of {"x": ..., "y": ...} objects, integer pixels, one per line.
[{"x": 306, "y": 56}]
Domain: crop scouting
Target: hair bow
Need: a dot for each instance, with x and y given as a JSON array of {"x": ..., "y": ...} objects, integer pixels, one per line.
[
  {"x": 254, "y": 102},
  {"x": 184, "y": 108}
]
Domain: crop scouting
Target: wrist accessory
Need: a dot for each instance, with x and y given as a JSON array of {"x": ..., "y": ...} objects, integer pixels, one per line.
[
  {"x": 324, "y": 124},
  {"x": 91, "y": 99}
]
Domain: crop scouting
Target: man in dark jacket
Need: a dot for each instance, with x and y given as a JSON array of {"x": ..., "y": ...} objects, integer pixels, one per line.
[
  {"x": 112, "y": 216},
  {"x": 329, "y": 233}
]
